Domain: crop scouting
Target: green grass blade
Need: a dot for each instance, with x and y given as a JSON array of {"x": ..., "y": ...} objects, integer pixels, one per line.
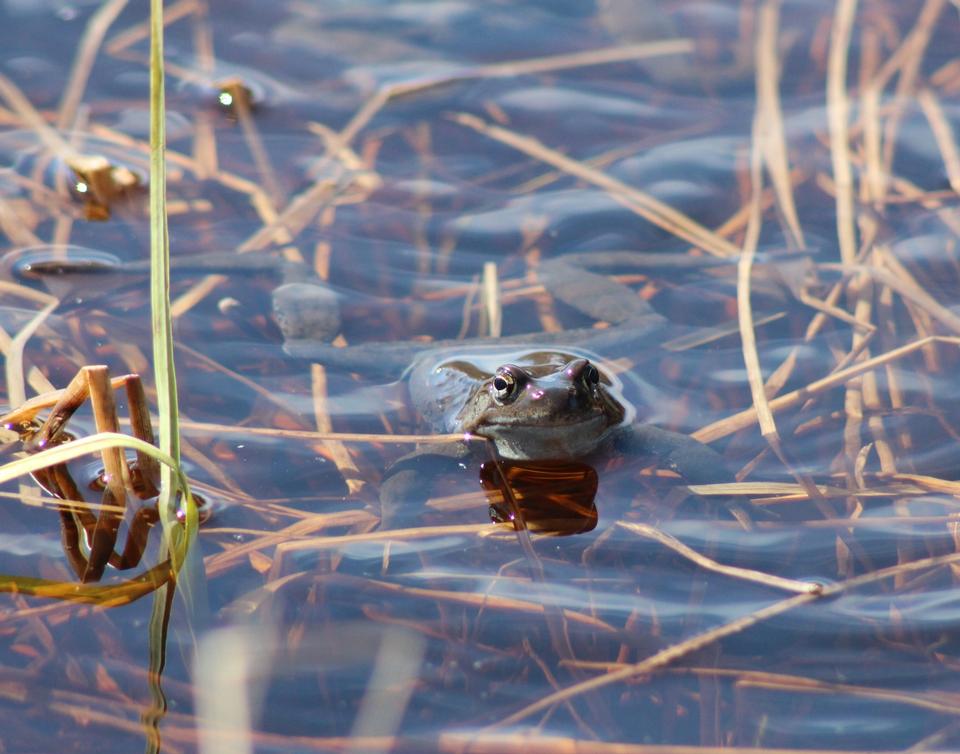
[
  {"x": 78, "y": 448},
  {"x": 177, "y": 539},
  {"x": 162, "y": 330}
]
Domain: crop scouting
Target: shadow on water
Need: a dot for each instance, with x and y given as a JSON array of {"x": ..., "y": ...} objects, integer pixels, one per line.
[{"x": 413, "y": 180}]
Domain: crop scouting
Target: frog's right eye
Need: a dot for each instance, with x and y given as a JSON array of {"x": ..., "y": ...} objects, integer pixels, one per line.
[{"x": 504, "y": 384}]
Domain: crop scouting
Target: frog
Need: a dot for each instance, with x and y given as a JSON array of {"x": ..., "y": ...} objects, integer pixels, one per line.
[
  {"x": 534, "y": 396},
  {"x": 535, "y": 403}
]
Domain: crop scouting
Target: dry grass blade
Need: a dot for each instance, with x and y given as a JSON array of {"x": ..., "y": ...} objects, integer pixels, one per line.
[
  {"x": 645, "y": 205},
  {"x": 903, "y": 285},
  {"x": 761, "y": 488},
  {"x": 746, "y": 574},
  {"x": 484, "y": 602},
  {"x": 751, "y": 358},
  {"x": 74, "y": 89},
  {"x": 581, "y": 59},
  {"x": 307, "y": 204},
  {"x": 30, "y": 118},
  {"x": 921, "y": 700},
  {"x": 195, "y": 295},
  {"x": 748, "y": 417},
  {"x": 392, "y": 535},
  {"x": 116, "y": 471},
  {"x": 773, "y": 143},
  {"x": 538, "y": 743},
  {"x": 747, "y": 679},
  {"x": 240, "y": 102},
  {"x": 223, "y": 429},
  {"x": 220, "y": 563},
  {"x": 28, "y": 410},
  {"x": 931, "y": 484},
  {"x": 943, "y": 133},
  {"x": 11, "y": 224},
  {"x": 14, "y": 368},
  {"x": 907, "y": 60},
  {"x": 125, "y": 39},
  {"x": 706, "y": 335},
  {"x": 685, "y": 648},
  {"x": 660, "y": 659},
  {"x": 836, "y": 312},
  {"x": 56, "y": 503},
  {"x": 492, "y": 305},
  {"x": 838, "y": 108},
  {"x": 888, "y": 487},
  {"x": 296, "y": 215},
  {"x": 337, "y": 449},
  {"x": 873, "y": 185}
]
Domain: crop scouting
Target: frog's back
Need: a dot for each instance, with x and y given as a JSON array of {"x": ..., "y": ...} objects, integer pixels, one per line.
[{"x": 440, "y": 383}]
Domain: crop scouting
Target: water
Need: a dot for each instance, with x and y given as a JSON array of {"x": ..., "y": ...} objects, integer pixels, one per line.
[{"x": 317, "y": 621}]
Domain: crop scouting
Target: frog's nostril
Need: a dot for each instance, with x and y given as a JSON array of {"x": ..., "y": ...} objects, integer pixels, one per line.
[{"x": 583, "y": 372}]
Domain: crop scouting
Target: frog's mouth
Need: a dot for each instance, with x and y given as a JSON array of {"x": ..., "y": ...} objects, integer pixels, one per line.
[
  {"x": 526, "y": 426},
  {"x": 575, "y": 438}
]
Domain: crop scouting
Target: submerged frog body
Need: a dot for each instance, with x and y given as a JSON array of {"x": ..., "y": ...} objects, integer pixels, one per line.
[{"x": 307, "y": 310}]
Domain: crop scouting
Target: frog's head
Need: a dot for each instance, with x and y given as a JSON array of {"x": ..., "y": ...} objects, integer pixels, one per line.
[{"x": 543, "y": 411}]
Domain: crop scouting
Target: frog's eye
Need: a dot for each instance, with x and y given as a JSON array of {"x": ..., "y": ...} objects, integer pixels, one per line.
[
  {"x": 504, "y": 384},
  {"x": 591, "y": 374}
]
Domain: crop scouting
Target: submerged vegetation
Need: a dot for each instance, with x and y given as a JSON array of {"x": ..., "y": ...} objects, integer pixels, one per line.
[{"x": 778, "y": 183}]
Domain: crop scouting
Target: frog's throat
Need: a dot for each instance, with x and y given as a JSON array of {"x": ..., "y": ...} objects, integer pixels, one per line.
[{"x": 553, "y": 442}]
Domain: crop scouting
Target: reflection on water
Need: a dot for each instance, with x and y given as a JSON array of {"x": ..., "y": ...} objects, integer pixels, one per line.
[
  {"x": 550, "y": 497},
  {"x": 390, "y": 152}
]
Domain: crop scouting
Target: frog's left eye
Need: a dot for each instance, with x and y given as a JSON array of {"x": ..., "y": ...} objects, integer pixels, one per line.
[
  {"x": 504, "y": 384},
  {"x": 591, "y": 374}
]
